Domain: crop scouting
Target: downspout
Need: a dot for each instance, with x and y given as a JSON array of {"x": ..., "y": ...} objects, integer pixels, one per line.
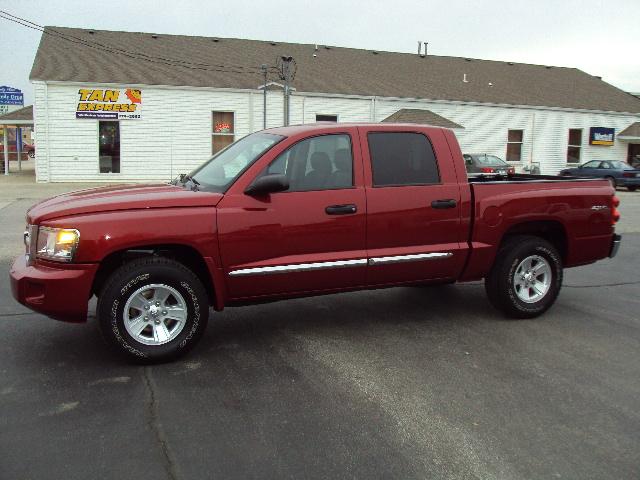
[{"x": 48, "y": 147}]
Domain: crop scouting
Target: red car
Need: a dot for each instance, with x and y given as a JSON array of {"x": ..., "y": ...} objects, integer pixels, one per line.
[
  {"x": 27, "y": 148},
  {"x": 305, "y": 210}
]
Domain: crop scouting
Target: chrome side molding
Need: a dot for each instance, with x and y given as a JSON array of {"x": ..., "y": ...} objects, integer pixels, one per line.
[
  {"x": 307, "y": 267},
  {"x": 408, "y": 258},
  {"x": 299, "y": 267}
]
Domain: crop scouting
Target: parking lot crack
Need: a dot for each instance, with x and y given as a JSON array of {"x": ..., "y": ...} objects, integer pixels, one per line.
[{"x": 156, "y": 426}]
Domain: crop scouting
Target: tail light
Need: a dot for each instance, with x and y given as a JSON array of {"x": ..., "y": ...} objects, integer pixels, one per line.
[
  {"x": 511, "y": 171},
  {"x": 615, "y": 214},
  {"x": 487, "y": 170},
  {"x": 628, "y": 174}
]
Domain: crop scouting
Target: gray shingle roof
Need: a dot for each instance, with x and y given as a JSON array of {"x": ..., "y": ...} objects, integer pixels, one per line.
[
  {"x": 233, "y": 63},
  {"x": 24, "y": 114},
  {"x": 423, "y": 117}
]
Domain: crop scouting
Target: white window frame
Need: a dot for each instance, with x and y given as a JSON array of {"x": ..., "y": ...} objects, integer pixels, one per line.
[
  {"x": 521, "y": 143},
  {"x": 579, "y": 147},
  {"x": 213, "y": 134},
  {"x": 328, "y": 115}
]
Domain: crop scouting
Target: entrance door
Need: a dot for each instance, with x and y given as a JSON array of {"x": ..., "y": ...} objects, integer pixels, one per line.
[
  {"x": 308, "y": 238},
  {"x": 414, "y": 230}
]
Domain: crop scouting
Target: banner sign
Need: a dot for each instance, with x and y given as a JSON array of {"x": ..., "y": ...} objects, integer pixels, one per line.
[
  {"x": 120, "y": 104},
  {"x": 601, "y": 136},
  {"x": 11, "y": 96}
]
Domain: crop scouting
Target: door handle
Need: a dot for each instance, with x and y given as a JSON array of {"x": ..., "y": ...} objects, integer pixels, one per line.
[
  {"x": 341, "y": 209},
  {"x": 449, "y": 203}
]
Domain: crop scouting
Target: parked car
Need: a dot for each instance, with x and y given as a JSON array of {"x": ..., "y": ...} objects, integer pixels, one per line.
[
  {"x": 620, "y": 174},
  {"x": 27, "y": 148},
  {"x": 483, "y": 163},
  {"x": 300, "y": 211}
]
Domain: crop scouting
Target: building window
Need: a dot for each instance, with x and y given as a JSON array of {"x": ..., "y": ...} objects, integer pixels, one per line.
[
  {"x": 223, "y": 131},
  {"x": 109, "y": 141},
  {"x": 514, "y": 145},
  {"x": 575, "y": 145},
  {"x": 326, "y": 118},
  {"x": 402, "y": 159}
]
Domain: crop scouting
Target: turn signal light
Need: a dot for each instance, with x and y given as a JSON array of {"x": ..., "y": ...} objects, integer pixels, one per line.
[{"x": 615, "y": 216}]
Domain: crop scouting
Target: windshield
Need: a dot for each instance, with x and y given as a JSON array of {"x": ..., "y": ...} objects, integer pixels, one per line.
[
  {"x": 491, "y": 161},
  {"x": 225, "y": 166}
]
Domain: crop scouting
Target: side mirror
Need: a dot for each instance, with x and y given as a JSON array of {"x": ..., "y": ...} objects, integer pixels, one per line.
[{"x": 268, "y": 184}]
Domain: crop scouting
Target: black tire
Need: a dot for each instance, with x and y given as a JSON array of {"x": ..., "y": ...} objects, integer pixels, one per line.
[
  {"x": 128, "y": 279},
  {"x": 500, "y": 286},
  {"x": 632, "y": 189}
]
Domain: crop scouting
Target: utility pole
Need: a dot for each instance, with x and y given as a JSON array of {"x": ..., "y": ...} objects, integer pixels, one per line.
[
  {"x": 287, "y": 71},
  {"x": 263, "y": 67}
]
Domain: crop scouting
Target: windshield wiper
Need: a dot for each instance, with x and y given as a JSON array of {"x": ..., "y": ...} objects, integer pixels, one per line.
[{"x": 186, "y": 178}]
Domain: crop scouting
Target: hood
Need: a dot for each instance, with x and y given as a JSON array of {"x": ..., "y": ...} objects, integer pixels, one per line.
[{"x": 121, "y": 197}]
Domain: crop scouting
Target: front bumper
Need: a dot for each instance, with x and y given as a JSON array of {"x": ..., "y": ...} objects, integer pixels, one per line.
[
  {"x": 61, "y": 293},
  {"x": 615, "y": 245}
]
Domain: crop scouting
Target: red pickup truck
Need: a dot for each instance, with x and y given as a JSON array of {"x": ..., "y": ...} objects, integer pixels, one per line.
[{"x": 300, "y": 211}]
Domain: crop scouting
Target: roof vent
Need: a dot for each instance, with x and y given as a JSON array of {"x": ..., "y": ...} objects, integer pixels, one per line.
[
  {"x": 327, "y": 47},
  {"x": 91, "y": 32},
  {"x": 273, "y": 44},
  {"x": 468, "y": 59},
  {"x": 374, "y": 52},
  {"x": 548, "y": 66},
  {"x": 509, "y": 63},
  {"x": 490, "y": 84},
  {"x": 598, "y": 77},
  {"x": 154, "y": 36},
  {"x": 215, "y": 40}
]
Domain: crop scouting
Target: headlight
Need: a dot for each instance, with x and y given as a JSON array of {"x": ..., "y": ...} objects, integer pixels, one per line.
[{"x": 58, "y": 244}]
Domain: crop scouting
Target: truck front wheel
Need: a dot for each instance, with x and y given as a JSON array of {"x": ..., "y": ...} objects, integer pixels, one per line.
[
  {"x": 153, "y": 309},
  {"x": 526, "y": 277}
]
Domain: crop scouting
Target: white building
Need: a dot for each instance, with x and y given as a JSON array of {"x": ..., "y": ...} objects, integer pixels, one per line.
[{"x": 119, "y": 106}]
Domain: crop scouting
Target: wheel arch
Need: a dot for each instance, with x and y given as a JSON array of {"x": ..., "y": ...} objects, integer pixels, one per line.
[
  {"x": 184, "y": 254},
  {"x": 552, "y": 231}
]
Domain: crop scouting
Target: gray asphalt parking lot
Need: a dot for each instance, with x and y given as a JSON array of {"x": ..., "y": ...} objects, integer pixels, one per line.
[{"x": 401, "y": 383}]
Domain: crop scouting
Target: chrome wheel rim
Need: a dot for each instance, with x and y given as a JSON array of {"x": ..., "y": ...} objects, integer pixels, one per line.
[
  {"x": 155, "y": 314},
  {"x": 532, "y": 279}
]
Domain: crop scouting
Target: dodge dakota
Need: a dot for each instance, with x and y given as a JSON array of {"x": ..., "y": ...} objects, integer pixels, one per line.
[{"x": 300, "y": 211}]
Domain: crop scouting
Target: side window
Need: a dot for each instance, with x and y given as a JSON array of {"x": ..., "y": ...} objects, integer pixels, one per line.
[
  {"x": 592, "y": 164},
  {"x": 318, "y": 163},
  {"x": 402, "y": 159}
]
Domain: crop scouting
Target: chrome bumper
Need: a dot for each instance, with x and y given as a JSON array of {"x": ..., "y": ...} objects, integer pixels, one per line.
[{"x": 615, "y": 245}]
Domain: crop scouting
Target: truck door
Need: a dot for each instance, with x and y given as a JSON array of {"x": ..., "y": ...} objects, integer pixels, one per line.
[
  {"x": 414, "y": 230},
  {"x": 308, "y": 238}
]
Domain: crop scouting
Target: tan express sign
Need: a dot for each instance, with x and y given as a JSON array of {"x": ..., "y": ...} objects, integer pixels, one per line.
[{"x": 121, "y": 104}]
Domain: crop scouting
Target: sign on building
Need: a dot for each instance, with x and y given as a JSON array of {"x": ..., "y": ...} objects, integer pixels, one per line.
[
  {"x": 109, "y": 104},
  {"x": 10, "y": 99},
  {"x": 601, "y": 136}
]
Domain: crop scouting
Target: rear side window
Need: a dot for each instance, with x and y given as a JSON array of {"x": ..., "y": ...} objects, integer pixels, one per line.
[{"x": 399, "y": 158}]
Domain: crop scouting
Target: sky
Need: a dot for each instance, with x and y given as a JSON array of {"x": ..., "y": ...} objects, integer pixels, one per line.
[{"x": 597, "y": 36}]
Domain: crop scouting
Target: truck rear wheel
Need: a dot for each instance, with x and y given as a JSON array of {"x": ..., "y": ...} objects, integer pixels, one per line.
[
  {"x": 526, "y": 277},
  {"x": 153, "y": 310}
]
